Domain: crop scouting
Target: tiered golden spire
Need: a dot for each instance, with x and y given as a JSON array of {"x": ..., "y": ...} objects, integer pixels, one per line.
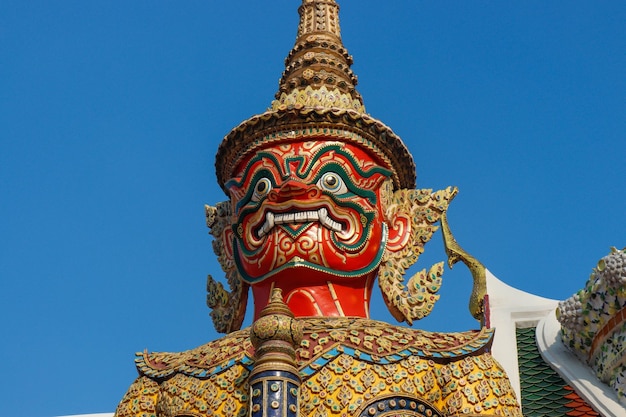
[
  {"x": 317, "y": 97},
  {"x": 317, "y": 70}
]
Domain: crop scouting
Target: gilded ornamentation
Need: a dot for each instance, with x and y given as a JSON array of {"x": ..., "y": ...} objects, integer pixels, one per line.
[
  {"x": 227, "y": 307},
  {"x": 455, "y": 254},
  {"x": 346, "y": 366},
  {"x": 276, "y": 324},
  {"x": 321, "y": 97},
  {"x": 319, "y": 59},
  {"x": 318, "y": 16},
  {"x": 274, "y": 127},
  {"x": 412, "y": 215},
  {"x": 274, "y": 380}
]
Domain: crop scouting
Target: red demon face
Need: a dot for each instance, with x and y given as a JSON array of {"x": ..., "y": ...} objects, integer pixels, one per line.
[{"x": 308, "y": 206}]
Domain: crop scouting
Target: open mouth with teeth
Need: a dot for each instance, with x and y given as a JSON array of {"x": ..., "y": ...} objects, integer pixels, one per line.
[
  {"x": 343, "y": 240},
  {"x": 298, "y": 217}
]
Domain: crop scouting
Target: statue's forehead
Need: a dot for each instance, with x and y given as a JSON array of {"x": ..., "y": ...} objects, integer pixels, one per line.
[{"x": 290, "y": 157}]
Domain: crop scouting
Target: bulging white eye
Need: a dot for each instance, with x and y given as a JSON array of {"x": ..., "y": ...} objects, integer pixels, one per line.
[
  {"x": 261, "y": 188},
  {"x": 333, "y": 183}
]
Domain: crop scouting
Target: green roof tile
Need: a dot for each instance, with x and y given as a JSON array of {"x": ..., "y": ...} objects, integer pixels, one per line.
[{"x": 544, "y": 392}]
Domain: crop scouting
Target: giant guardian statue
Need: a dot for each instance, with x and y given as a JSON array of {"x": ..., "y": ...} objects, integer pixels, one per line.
[{"x": 322, "y": 204}]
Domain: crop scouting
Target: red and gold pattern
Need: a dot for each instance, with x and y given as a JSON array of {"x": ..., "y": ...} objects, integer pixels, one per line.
[
  {"x": 325, "y": 211},
  {"x": 308, "y": 204},
  {"x": 345, "y": 365},
  {"x": 310, "y": 209}
]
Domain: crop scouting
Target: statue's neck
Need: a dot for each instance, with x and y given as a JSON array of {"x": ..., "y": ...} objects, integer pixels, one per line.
[{"x": 334, "y": 298}]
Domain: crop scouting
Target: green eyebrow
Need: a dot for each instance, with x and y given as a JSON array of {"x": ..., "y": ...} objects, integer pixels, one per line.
[
  {"x": 350, "y": 157},
  {"x": 334, "y": 166},
  {"x": 260, "y": 156},
  {"x": 304, "y": 170}
]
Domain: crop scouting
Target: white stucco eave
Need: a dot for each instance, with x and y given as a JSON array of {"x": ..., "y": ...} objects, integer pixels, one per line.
[{"x": 510, "y": 309}]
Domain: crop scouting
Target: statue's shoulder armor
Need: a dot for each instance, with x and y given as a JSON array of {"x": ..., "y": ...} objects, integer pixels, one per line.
[
  {"x": 381, "y": 343},
  {"x": 201, "y": 362},
  {"x": 324, "y": 339}
]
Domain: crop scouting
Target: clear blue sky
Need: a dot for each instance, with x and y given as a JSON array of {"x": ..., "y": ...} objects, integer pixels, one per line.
[{"x": 111, "y": 113}]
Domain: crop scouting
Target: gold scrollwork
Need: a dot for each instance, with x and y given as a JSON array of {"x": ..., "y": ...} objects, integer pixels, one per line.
[
  {"x": 228, "y": 307},
  {"x": 412, "y": 215}
]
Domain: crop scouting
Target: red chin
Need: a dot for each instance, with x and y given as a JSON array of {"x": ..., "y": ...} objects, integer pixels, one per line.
[{"x": 309, "y": 292}]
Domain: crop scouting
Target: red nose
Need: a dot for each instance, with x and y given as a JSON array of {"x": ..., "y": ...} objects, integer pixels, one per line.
[{"x": 293, "y": 190}]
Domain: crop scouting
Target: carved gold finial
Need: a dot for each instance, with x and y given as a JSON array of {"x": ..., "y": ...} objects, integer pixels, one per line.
[
  {"x": 274, "y": 380},
  {"x": 319, "y": 16},
  {"x": 317, "y": 70},
  {"x": 276, "y": 330},
  {"x": 456, "y": 253}
]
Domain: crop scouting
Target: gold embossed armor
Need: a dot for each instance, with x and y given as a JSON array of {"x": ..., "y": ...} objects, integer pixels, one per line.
[{"x": 349, "y": 367}]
